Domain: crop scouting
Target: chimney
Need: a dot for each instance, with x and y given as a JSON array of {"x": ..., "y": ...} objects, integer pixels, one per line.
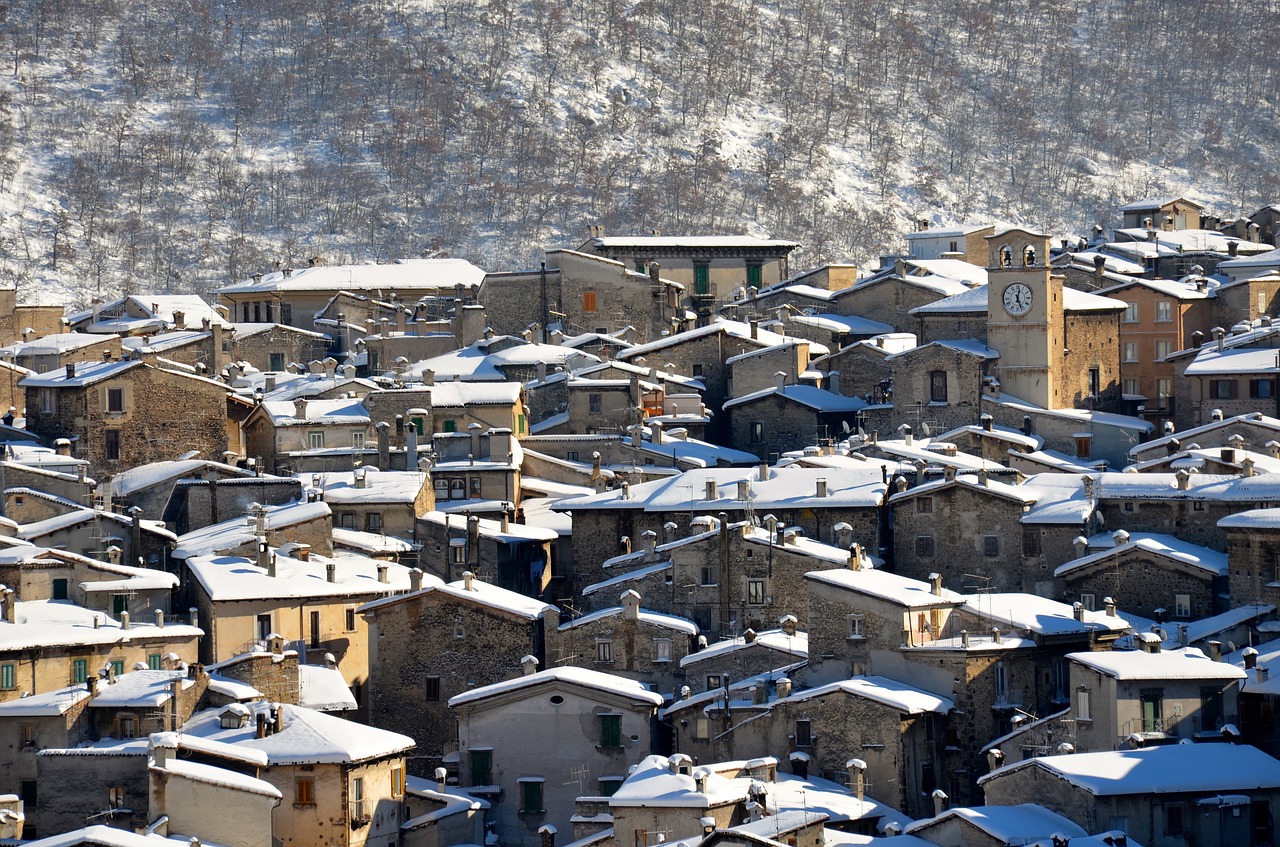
[
  {"x": 744, "y": 489},
  {"x": 1215, "y": 650},
  {"x": 713, "y": 492},
  {"x": 649, "y": 539},
  {"x": 382, "y": 573},
  {"x": 984, "y": 477},
  {"x": 1215, "y": 414},
  {"x": 1250, "y": 656},
  {"x": 528, "y": 665},
  {"x": 442, "y": 775},
  {"x": 949, "y": 473},
  {"x": 995, "y": 635},
  {"x": 160, "y": 618},
  {"x": 857, "y": 777},
  {"x": 1099, "y": 268},
  {"x": 784, "y": 688},
  {"x": 331, "y": 572},
  {"x": 939, "y": 801},
  {"x": 907, "y": 434},
  {"x": 822, "y": 487},
  {"x": 1110, "y": 604},
  {"x": 780, "y": 379},
  {"x": 631, "y": 605},
  {"x": 1120, "y": 537},
  {"x": 7, "y": 602},
  {"x": 1219, "y": 337},
  {"x": 988, "y": 422},
  {"x": 415, "y": 579},
  {"x": 935, "y": 584},
  {"x": 855, "y": 557},
  {"x": 1246, "y": 465},
  {"x": 964, "y": 638},
  {"x": 193, "y": 616},
  {"x": 92, "y": 684},
  {"x": 1183, "y": 477},
  {"x": 833, "y": 382},
  {"x": 995, "y": 758},
  {"x": 124, "y": 620},
  {"x": 1262, "y": 673},
  {"x": 260, "y": 730},
  {"x": 762, "y": 472},
  {"x": 749, "y": 636},
  {"x": 71, "y": 370},
  {"x": 62, "y": 446},
  {"x": 468, "y": 581},
  {"x": 1077, "y": 611}
]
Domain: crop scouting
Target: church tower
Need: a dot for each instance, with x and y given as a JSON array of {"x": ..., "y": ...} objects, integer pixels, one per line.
[{"x": 1025, "y": 320}]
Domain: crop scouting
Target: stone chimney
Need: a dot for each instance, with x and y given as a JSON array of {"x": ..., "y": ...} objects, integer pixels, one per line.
[
  {"x": 939, "y": 801},
  {"x": 935, "y": 584},
  {"x": 630, "y": 605},
  {"x": 468, "y": 581},
  {"x": 528, "y": 665},
  {"x": 415, "y": 579},
  {"x": 1215, "y": 650}
]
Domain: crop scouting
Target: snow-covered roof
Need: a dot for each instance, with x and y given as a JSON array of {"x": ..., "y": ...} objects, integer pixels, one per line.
[
  {"x": 1020, "y": 824},
  {"x": 1156, "y": 203},
  {"x": 324, "y": 689},
  {"x": 480, "y": 593},
  {"x": 653, "y": 783},
  {"x": 137, "y": 478},
  {"x": 49, "y": 623},
  {"x": 901, "y": 590},
  {"x": 138, "y": 689},
  {"x": 889, "y": 692},
  {"x": 45, "y": 703},
  {"x": 308, "y": 736},
  {"x": 1161, "y": 545},
  {"x": 852, "y": 324},
  {"x": 313, "y": 412},
  {"x": 778, "y": 640},
  {"x": 658, "y": 619},
  {"x": 734, "y": 329},
  {"x": 212, "y": 775},
  {"x": 606, "y": 683},
  {"x": 514, "y": 532},
  {"x": 974, "y": 300},
  {"x": 1173, "y": 288},
  {"x": 424, "y": 275},
  {"x": 1016, "y": 493},
  {"x": 1040, "y": 615},
  {"x": 660, "y": 242},
  {"x": 1166, "y": 769},
  {"x": 1168, "y": 664},
  {"x": 234, "y": 533},
  {"x": 818, "y": 399},
  {"x": 235, "y": 578}
]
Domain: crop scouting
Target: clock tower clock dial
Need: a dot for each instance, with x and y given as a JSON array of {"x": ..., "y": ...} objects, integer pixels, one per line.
[{"x": 1017, "y": 299}]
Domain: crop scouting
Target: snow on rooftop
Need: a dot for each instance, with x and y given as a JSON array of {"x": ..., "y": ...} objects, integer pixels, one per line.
[
  {"x": 235, "y": 578},
  {"x": 424, "y": 275},
  {"x": 236, "y": 532},
  {"x": 480, "y": 592},
  {"x": 324, "y": 689},
  {"x": 140, "y": 689},
  {"x": 607, "y": 683},
  {"x": 778, "y": 640},
  {"x": 308, "y": 736},
  {"x": 46, "y": 703},
  {"x": 901, "y": 590},
  {"x": 653, "y": 783},
  {"x": 889, "y": 692},
  {"x": 1167, "y": 546},
  {"x": 45, "y": 623},
  {"x": 212, "y": 775},
  {"x": 1167, "y": 664},
  {"x": 1040, "y": 615},
  {"x": 734, "y": 329},
  {"x": 646, "y": 616},
  {"x": 818, "y": 399},
  {"x": 1020, "y": 824},
  {"x": 1166, "y": 769}
]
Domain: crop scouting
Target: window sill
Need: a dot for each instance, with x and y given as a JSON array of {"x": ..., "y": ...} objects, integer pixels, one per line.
[
  {"x": 855, "y": 638},
  {"x": 532, "y": 812}
]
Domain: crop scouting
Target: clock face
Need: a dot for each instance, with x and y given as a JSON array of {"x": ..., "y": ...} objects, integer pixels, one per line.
[{"x": 1017, "y": 299}]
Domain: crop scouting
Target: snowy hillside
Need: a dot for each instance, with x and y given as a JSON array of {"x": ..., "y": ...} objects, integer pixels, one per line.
[{"x": 169, "y": 145}]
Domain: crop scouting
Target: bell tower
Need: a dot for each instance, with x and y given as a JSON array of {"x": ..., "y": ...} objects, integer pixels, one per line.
[{"x": 1025, "y": 320}]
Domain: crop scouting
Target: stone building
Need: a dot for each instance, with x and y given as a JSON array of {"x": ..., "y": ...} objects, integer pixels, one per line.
[
  {"x": 1218, "y": 794},
  {"x": 120, "y": 414},
  {"x": 597, "y": 724},
  {"x": 273, "y": 346},
  {"x": 437, "y": 642},
  {"x": 772, "y": 652},
  {"x": 1156, "y": 576},
  {"x": 774, "y": 420},
  {"x": 939, "y": 384},
  {"x": 510, "y": 555},
  {"x": 891, "y": 295},
  {"x": 584, "y": 293},
  {"x": 57, "y": 350},
  {"x": 966, "y": 243},
  {"x": 815, "y": 501}
]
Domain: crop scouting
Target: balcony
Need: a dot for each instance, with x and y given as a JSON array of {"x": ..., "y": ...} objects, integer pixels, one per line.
[{"x": 358, "y": 812}]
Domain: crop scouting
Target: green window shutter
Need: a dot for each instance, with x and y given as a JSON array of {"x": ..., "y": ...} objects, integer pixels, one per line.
[
  {"x": 531, "y": 796},
  {"x": 8, "y": 676},
  {"x": 753, "y": 276},
  {"x": 611, "y": 730},
  {"x": 79, "y": 671},
  {"x": 481, "y": 767},
  {"x": 701, "y": 280},
  {"x": 117, "y": 665},
  {"x": 154, "y": 661},
  {"x": 450, "y": 425}
]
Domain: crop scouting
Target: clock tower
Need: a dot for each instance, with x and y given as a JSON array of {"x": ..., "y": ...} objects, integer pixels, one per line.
[{"x": 1025, "y": 320}]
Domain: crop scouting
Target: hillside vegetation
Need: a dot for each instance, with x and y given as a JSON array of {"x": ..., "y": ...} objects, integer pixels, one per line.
[{"x": 169, "y": 145}]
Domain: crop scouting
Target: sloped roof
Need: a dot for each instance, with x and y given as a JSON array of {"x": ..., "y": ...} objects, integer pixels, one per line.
[{"x": 568, "y": 675}]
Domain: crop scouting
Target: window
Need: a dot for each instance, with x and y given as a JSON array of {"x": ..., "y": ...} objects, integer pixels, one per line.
[
  {"x": 111, "y": 444},
  {"x": 662, "y": 649},
  {"x": 286, "y": 313},
  {"x": 697, "y": 371},
  {"x": 757, "y": 432},
  {"x": 357, "y": 440},
  {"x": 115, "y": 401},
  {"x": 937, "y": 386},
  {"x": 1173, "y": 820},
  {"x": 373, "y": 522},
  {"x": 701, "y": 279},
  {"x": 1164, "y": 310},
  {"x": 804, "y": 732},
  {"x": 710, "y": 575},
  {"x": 1084, "y": 446},
  {"x": 46, "y": 401},
  {"x": 713, "y": 681},
  {"x": 531, "y": 796},
  {"x": 1088, "y": 602},
  {"x": 755, "y": 592},
  {"x": 431, "y": 689},
  {"x": 127, "y": 727},
  {"x": 459, "y": 631},
  {"x": 1130, "y": 351},
  {"x": 855, "y": 625},
  {"x": 315, "y": 439},
  {"x": 924, "y": 505},
  {"x": 450, "y": 425},
  {"x": 1131, "y": 313},
  {"x": 1095, "y": 381},
  {"x": 1182, "y": 605},
  {"x": 924, "y": 546},
  {"x": 1152, "y": 709},
  {"x": 1061, "y": 680},
  {"x": 117, "y": 666},
  {"x": 1030, "y": 542},
  {"x": 155, "y": 661},
  {"x": 571, "y": 456},
  {"x": 609, "y": 785},
  {"x": 1000, "y": 682},
  {"x": 1162, "y": 349},
  {"x": 8, "y": 676},
  {"x": 1164, "y": 388},
  {"x": 115, "y": 797},
  {"x": 701, "y": 728},
  {"x": 350, "y": 621},
  {"x": 754, "y": 275},
  {"x": 991, "y": 546},
  {"x": 275, "y": 361},
  {"x": 397, "y": 781},
  {"x": 475, "y": 486},
  {"x": 458, "y": 551},
  {"x": 593, "y": 404},
  {"x": 611, "y": 730},
  {"x": 79, "y": 671},
  {"x": 346, "y": 520},
  {"x": 1130, "y": 387},
  {"x": 28, "y": 731},
  {"x": 588, "y": 301},
  {"x": 1222, "y": 389},
  {"x": 604, "y": 650},
  {"x": 315, "y": 628},
  {"x": 264, "y": 626},
  {"x": 1262, "y": 388}
]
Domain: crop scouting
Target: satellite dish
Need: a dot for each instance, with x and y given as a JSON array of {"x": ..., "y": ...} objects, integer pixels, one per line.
[
  {"x": 924, "y": 428},
  {"x": 844, "y": 427}
]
